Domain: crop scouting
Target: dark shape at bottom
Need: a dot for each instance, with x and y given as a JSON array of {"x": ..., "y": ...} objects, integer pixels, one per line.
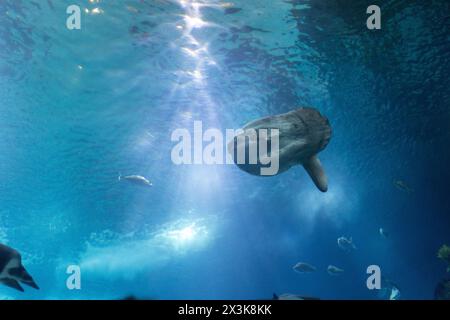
[{"x": 442, "y": 291}]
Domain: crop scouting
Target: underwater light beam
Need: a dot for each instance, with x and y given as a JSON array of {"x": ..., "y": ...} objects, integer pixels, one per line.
[{"x": 192, "y": 85}]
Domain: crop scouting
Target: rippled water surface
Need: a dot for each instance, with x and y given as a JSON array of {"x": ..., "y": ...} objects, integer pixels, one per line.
[{"x": 78, "y": 108}]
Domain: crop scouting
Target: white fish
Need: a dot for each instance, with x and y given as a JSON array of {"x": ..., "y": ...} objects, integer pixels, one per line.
[
  {"x": 383, "y": 233},
  {"x": 395, "y": 294},
  {"x": 140, "y": 180},
  {"x": 303, "y": 267},
  {"x": 403, "y": 186},
  {"x": 346, "y": 243},
  {"x": 334, "y": 271},
  {"x": 389, "y": 290}
]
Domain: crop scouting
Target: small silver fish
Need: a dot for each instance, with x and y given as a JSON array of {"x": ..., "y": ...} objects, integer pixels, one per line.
[
  {"x": 139, "y": 180},
  {"x": 334, "y": 271},
  {"x": 403, "y": 186},
  {"x": 303, "y": 267},
  {"x": 383, "y": 233},
  {"x": 346, "y": 243}
]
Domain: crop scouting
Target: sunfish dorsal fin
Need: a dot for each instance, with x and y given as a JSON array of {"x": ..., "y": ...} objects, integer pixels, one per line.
[{"x": 316, "y": 172}]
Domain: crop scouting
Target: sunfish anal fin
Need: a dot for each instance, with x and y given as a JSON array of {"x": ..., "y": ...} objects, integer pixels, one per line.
[
  {"x": 12, "y": 284},
  {"x": 316, "y": 172}
]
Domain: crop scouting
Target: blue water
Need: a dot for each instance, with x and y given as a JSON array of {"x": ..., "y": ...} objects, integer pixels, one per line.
[{"x": 78, "y": 107}]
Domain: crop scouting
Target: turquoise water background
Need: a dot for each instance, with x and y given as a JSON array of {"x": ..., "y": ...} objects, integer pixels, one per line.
[{"x": 80, "y": 107}]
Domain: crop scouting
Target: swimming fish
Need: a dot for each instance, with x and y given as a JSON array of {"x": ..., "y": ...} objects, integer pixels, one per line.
[
  {"x": 389, "y": 290},
  {"x": 303, "y": 267},
  {"x": 402, "y": 185},
  {"x": 290, "y": 296},
  {"x": 302, "y": 134},
  {"x": 383, "y": 233},
  {"x": 334, "y": 271},
  {"x": 136, "y": 179},
  {"x": 12, "y": 271},
  {"x": 346, "y": 243}
]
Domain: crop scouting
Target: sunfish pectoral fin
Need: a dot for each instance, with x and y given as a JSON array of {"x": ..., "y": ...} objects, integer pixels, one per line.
[
  {"x": 12, "y": 284},
  {"x": 29, "y": 281},
  {"x": 316, "y": 172}
]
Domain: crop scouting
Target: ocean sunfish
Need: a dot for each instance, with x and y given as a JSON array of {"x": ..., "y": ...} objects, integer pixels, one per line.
[
  {"x": 334, "y": 271},
  {"x": 302, "y": 134},
  {"x": 12, "y": 271},
  {"x": 136, "y": 179},
  {"x": 303, "y": 267}
]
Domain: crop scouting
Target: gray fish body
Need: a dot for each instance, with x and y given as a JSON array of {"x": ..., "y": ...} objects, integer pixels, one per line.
[
  {"x": 383, "y": 233},
  {"x": 136, "y": 179},
  {"x": 402, "y": 185},
  {"x": 12, "y": 271},
  {"x": 303, "y": 267},
  {"x": 303, "y": 133},
  {"x": 346, "y": 243},
  {"x": 334, "y": 271}
]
